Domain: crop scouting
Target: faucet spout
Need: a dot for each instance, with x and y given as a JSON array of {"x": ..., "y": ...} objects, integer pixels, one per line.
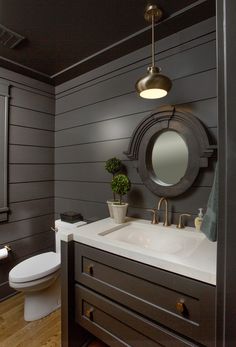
[{"x": 166, "y": 222}]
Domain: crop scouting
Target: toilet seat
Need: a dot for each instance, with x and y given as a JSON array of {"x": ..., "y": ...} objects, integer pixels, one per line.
[
  {"x": 39, "y": 284},
  {"x": 35, "y": 268}
]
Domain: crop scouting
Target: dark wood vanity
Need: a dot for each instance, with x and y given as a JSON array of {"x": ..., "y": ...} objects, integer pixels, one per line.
[{"x": 127, "y": 303}]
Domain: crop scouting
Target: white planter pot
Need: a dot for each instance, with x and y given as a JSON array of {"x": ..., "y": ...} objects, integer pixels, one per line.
[
  {"x": 109, "y": 204},
  {"x": 119, "y": 212}
]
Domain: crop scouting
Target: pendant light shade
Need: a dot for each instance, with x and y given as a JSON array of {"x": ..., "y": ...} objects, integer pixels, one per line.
[{"x": 154, "y": 85}]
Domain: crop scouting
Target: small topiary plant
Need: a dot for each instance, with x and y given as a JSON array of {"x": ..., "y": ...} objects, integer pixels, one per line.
[
  {"x": 113, "y": 166},
  {"x": 120, "y": 185}
]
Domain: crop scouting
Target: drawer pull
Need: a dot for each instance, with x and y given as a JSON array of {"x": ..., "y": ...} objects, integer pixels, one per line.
[
  {"x": 89, "y": 313},
  {"x": 90, "y": 270},
  {"x": 180, "y": 307}
]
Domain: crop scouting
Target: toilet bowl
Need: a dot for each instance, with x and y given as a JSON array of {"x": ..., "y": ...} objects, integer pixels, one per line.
[{"x": 38, "y": 278}]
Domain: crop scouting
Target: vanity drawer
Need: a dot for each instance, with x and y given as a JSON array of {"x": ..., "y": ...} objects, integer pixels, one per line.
[
  {"x": 156, "y": 294},
  {"x": 118, "y": 326}
]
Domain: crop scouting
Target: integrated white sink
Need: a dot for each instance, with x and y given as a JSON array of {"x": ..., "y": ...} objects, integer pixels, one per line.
[
  {"x": 183, "y": 251},
  {"x": 166, "y": 241}
]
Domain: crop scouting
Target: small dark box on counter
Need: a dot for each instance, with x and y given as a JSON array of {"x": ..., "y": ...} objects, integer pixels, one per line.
[{"x": 71, "y": 217}]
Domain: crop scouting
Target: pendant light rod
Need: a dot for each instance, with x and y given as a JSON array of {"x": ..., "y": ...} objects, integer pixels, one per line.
[
  {"x": 152, "y": 15},
  {"x": 153, "y": 42}
]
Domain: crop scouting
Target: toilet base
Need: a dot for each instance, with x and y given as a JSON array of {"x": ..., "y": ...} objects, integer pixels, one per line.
[{"x": 39, "y": 304}]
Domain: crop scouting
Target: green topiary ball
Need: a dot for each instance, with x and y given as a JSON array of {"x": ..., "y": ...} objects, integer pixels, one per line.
[
  {"x": 121, "y": 184},
  {"x": 113, "y": 165}
]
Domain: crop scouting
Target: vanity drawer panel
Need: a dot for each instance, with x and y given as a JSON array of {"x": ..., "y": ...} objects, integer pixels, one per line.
[
  {"x": 149, "y": 291},
  {"x": 118, "y": 326}
]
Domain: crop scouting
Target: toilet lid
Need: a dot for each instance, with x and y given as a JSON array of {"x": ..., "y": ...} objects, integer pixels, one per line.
[{"x": 35, "y": 267}]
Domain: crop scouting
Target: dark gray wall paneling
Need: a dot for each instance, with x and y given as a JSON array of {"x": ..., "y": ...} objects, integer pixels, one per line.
[
  {"x": 128, "y": 105},
  {"x": 182, "y": 91},
  {"x": 30, "y": 208},
  {"x": 30, "y": 191},
  {"x": 199, "y": 58},
  {"x": 31, "y": 173},
  {"x": 31, "y": 137},
  {"x": 85, "y": 172},
  {"x": 31, "y": 119},
  {"x": 96, "y": 114},
  {"x": 139, "y": 196},
  {"x": 103, "y": 131},
  {"x": 99, "y": 151},
  {"x": 32, "y": 100},
  {"x": 21, "y": 229},
  {"x": 195, "y": 32},
  {"x": 30, "y": 155}
]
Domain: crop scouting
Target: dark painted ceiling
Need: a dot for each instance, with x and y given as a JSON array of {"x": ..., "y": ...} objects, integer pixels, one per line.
[{"x": 60, "y": 33}]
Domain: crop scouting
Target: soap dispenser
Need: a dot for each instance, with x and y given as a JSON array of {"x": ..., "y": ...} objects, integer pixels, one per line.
[{"x": 198, "y": 220}]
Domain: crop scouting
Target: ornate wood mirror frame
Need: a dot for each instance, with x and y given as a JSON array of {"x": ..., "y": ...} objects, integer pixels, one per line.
[{"x": 192, "y": 131}]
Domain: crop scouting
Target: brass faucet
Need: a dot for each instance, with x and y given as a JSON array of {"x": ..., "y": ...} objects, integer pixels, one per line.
[
  {"x": 154, "y": 215},
  {"x": 181, "y": 225},
  {"x": 166, "y": 222}
]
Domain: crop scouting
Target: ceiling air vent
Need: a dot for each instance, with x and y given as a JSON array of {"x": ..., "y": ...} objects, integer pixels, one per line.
[{"x": 9, "y": 38}]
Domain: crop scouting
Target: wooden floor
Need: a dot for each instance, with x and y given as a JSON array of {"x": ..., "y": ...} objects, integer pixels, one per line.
[{"x": 15, "y": 332}]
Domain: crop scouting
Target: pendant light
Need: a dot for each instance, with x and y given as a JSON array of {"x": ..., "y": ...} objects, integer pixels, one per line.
[{"x": 154, "y": 85}]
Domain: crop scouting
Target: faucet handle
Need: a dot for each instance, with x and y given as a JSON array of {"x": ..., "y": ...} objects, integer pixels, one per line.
[
  {"x": 181, "y": 225},
  {"x": 154, "y": 215}
]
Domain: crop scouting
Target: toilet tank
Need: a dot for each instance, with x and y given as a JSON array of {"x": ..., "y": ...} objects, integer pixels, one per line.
[{"x": 64, "y": 228}]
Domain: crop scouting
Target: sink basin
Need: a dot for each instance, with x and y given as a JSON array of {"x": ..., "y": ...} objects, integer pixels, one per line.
[{"x": 166, "y": 241}]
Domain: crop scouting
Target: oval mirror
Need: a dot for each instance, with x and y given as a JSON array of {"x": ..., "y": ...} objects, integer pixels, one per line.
[
  {"x": 170, "y": 146},
  {"x": 169, "y": 158}
]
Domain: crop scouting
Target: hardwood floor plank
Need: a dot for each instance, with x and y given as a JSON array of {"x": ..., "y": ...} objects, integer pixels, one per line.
[
  {"x": 9, "y": 303},
  {"x": 16, "y": 332}
]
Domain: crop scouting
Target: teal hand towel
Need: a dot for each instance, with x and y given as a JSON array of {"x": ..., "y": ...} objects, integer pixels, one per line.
[{"x": 209, "y": 223}]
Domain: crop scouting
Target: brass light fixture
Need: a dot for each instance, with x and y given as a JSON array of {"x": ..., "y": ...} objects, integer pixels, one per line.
[{"x": 154, "y": 85}]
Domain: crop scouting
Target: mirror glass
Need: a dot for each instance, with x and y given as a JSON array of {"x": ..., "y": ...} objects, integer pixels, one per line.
[{"x": 169, "y": 158}]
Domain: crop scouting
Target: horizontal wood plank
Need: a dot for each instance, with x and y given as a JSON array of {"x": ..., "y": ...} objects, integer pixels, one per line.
[
  {"x": 30, "y": 155},
  {"x": 187, "y": 89},
  {"x": 30, "y": 137},
  {"x": 178, "y": 39},
  {"x": 139, "y": 196},
  {"x": 31, "y": 100},
  {"x": 24, "y": 228},
  {"x": 90, "y": 172},
  {"x": 29, "y": 118},
  {"x": 31, "y": 208},
  {"x": 30, "y": 173},
  {"x": 205, "y": 110},
  {"x": 199, "y": 58},
  {"x": 30, "y": 191},
  {"x": 92, "y": 152}
]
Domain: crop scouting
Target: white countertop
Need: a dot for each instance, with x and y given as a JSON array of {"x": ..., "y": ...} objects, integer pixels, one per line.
[{"x": 200, "y": 265}]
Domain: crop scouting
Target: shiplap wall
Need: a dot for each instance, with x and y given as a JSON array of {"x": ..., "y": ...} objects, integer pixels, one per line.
[
  {"x": 95, "y": 116},
  {"x": 97, "y": 112},
  {"x": 31, "y": 172}
]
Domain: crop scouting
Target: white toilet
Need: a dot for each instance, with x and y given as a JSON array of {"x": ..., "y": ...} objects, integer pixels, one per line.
[{"x": 39, "y": 278}]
